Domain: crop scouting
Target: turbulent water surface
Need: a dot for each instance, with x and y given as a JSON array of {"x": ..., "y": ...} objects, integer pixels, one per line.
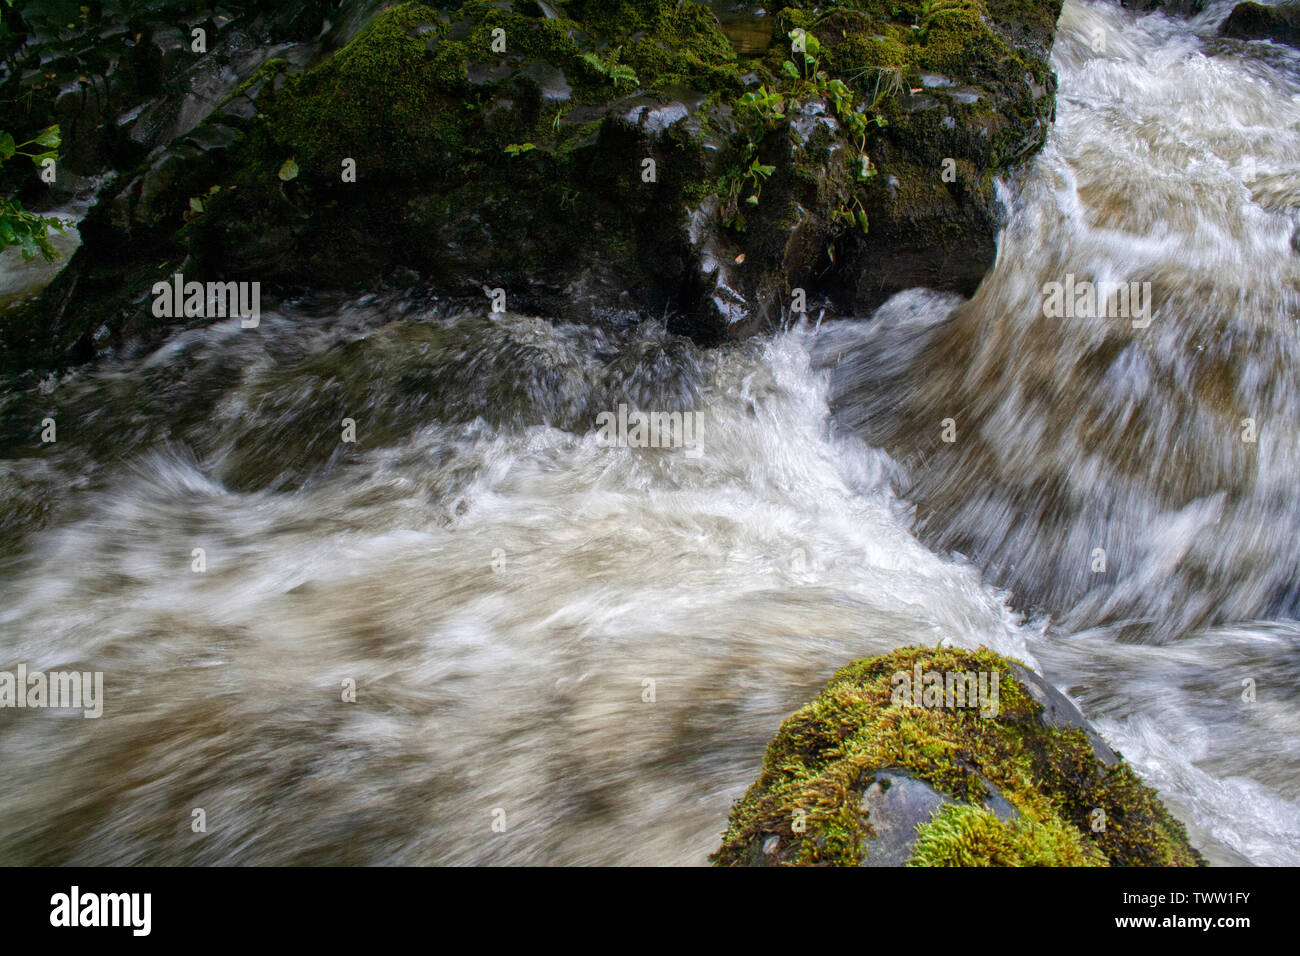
[{"x": 502, "y": 588}]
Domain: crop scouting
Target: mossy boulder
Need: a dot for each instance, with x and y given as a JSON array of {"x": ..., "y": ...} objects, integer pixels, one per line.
[
  {"x": 1258, "y": 21},
  {"x": 871, "y": 773},
  {"x": 599, "y": 161}
]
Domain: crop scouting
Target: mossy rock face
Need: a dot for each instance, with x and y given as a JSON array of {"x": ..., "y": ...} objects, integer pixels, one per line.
[
  {"x": 599, "y": 161},
  {"x": 989, "y": 779}
]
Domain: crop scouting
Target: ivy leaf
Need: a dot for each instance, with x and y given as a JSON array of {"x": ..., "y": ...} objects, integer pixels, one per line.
[{"x": 289, "y": 170}]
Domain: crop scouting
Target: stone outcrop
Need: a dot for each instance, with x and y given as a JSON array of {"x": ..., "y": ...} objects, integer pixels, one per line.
[{"x": 598, "y": 162}]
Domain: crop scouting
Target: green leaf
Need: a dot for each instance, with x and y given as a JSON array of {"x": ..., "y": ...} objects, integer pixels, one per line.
[
  {"x": 196, "y": 205},
  {"x": 6, "y": 146},
  {"x": 289, "y": 170},
  {"x": 790, "y": 69},
  {"x": 48, "y": 137},
  {"x": 752, "y": 200},
  {"x": 620, "y": 73}
]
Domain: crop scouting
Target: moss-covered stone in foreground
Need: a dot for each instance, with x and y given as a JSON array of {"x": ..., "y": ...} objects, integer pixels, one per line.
[{"x": 809, "y": 794}]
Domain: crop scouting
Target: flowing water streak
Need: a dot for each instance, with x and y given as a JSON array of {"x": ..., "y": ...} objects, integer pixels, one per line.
[
  {"x": 1175, "y": 160},
  {"x": 736, "y": 581},
  {"x": 1166, "y": 166}
]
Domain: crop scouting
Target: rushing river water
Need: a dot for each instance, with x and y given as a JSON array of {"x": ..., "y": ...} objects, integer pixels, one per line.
[{"x": 500, "y": 587}]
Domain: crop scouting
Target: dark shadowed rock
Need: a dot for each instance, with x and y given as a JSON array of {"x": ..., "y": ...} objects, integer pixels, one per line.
[
  {"x": 1257, "y": 21},
  {"x": 597, "y": 162},
  {"x": 1181, "y": 8}
]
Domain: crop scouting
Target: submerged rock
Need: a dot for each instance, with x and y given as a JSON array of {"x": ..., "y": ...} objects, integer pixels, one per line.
[
  {"x": 947, "y": 758},
  {"x": 595, "y": 161},
  {"x": 1182, "y": 8}
]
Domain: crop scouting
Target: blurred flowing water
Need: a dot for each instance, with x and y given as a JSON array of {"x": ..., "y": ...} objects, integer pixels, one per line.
[{"x": 501, "y": 588}]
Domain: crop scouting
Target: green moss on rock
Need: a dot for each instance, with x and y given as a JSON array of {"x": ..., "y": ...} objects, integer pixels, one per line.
[
  {"x": 965, "y": 835},
  {"x": 429, "y": 110},
  {"x": 809, "y": 793},
  {"x": 414, "y": 89}
]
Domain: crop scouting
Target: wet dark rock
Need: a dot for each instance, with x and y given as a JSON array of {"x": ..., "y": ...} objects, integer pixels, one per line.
[
  {"x": 1059, "y": 711},
  {"x": 1256, "y": 21},
  {"x": 1182, "y": 8},
  {"x": 529, "y": 169},
  {"x": 134, "y": 82},
  {"x": 896, "y": 803}
]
